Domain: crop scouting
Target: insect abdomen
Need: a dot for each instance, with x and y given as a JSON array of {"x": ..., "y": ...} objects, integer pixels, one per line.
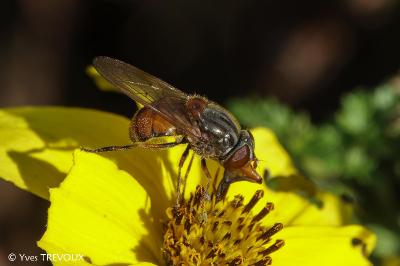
[{"x": 147, "y": 124}]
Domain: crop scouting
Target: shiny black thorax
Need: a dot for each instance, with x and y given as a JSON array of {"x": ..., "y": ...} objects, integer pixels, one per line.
[{"x": 220, "y": 131}]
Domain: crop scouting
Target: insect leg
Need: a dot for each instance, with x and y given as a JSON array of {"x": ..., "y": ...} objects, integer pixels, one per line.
[
  {"x": 214, "y": 183},
  {"x": 181, "y": 163},
  {"x": 223, "y": 187},
  {"x": 208, "y": 175},
  {"x": 187, "y": 174},
  {"x": 133, "y": 145},
  {"x": 109, "y": 148}
]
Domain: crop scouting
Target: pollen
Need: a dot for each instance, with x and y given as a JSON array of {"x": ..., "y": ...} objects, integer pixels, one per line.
[{"x": 205, "y": 232}]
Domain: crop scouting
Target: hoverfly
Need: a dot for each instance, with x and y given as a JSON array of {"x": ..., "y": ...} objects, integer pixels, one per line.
[{"x": 206, "y": 127}]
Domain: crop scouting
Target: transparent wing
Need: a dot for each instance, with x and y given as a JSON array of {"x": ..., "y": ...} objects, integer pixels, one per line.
[
  {"x": 135, "y": 83},
  {"x": 149, "y": 91}
]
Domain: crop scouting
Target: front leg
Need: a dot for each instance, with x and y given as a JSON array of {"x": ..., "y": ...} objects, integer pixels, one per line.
[
  {"x": 223, "y": 186},
  {"x": 208, "y": 176},
  {"x": 179, "y": 182}
]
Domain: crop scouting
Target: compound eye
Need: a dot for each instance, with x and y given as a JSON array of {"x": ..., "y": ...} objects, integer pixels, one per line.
[{"x": 239, "y": 158}]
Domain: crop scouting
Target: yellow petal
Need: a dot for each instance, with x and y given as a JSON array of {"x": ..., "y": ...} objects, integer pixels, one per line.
[
  {"x": 290, "y": 208},
  {"x": 85, "y": 263},
  {"x": 36, "y": 151},
  {"x": 144, "y": 264},
  {"x": 293, "y": 209},
  {"x": 101, "y": 82},
  {"x": 332, "y": 211},
  {"x": 271, "y": 154},
  {"x": 102, "y": 213},
  {"x": 327, "y": 246}
]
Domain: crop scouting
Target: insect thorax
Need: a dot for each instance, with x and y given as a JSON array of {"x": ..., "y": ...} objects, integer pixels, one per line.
[{"x": 219, "y": 131}]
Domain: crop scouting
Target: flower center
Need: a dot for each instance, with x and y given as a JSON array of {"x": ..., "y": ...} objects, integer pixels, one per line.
[{"x": 203, "y": 232}]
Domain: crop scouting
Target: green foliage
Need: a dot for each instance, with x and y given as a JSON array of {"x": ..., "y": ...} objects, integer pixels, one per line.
[{"x": 356, "y": 150}]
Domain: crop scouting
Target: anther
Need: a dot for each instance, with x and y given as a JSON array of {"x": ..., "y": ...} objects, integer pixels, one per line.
[
  {"x": 274, "y": 247},
  {"x": 270, "y": 232},
  {"x": 214, "y": 227},
  {"x": 257, "y": 196},
  {"x": 199, "y": 232},
  {"x": 237, "y": 201},
  {"x": 265, "y": 261},
  {"x": 263, "y": 212},
  {"x": 236, "y": 261},
  {"x": 228, "y": 223},
  {"x": 226, "y": 236}
]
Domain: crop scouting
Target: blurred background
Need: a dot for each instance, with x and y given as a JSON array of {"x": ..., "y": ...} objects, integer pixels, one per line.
[{"x": 322, "y": 74}]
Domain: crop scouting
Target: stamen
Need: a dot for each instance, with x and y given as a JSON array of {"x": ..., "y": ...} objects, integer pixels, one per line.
[
  {"x": 238, "y": 201},
  {"x": 203, "y": 232},
  {"x": 227, "y": 236},
  {"x": 270, "y": 232},
  {"x": 257, "y": 196},
  {"x": 277, "y": 245},
  {"x": 236, "y": 261},
  {"x": 215, "y": 225},
  {"x": 263, "y": 212},
  {"x": 265, "y": 261},
  {"x": 228, "y": 223}
]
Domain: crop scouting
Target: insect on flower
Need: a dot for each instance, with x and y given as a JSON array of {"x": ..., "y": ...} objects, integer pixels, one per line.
[{"x": 206, "y": 127}]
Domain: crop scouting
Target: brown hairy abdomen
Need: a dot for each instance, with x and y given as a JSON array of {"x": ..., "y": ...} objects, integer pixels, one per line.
[{"x": 147, "y": 124}]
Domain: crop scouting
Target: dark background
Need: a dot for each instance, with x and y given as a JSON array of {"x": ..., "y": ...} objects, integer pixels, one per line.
[{"x": 306, "y": 53}]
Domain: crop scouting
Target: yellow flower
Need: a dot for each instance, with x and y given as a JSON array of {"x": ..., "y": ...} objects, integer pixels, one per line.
[{"x": 115, "y": 208}]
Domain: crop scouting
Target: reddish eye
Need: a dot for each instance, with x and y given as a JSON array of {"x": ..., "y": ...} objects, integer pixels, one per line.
[{"x": 239, "y": 159}]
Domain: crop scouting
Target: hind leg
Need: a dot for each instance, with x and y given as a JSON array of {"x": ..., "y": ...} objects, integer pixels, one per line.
[{"x": 133, "y": 145}]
